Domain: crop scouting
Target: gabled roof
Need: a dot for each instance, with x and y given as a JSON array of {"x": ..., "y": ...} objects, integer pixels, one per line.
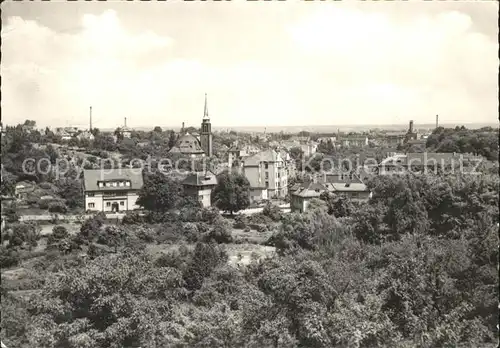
[
  {"x": 188, "y": 144},
  {"x": 200, "y": 179},
  {"x": 92, "y": 176}
]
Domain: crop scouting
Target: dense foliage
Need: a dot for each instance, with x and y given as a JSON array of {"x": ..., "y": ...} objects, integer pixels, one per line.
[
  {"x": 482, "y": 141},
  {"x": 414, "y": 267}
]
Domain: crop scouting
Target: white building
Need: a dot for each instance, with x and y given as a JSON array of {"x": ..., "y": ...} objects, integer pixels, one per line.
[
  {"x": 199, "y": 185},
  {"x": 266, "y": 170},
  {"x": 112, "y": 190}
]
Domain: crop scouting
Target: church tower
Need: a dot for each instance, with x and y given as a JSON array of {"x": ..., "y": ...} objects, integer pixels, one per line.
[{"x": 206, "y": 132}]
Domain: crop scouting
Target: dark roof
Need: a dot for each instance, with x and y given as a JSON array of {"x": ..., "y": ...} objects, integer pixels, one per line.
[
  {"x": 92, "y": 176},
  {"x": 200, "y": 179},
  {"x": 187, "y": 144},
  {"x": 310, "y": 190}
]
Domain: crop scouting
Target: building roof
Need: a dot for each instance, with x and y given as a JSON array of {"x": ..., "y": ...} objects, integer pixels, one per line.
[
  {"x": 263, "y": 156},
  {"x": 353, "y": 187},
  {"x": 92, "y": 176},
  {"x": 200, "y": 179},
  {"x": 188, "y": 144},
  {"x": 310, "y": 190}
]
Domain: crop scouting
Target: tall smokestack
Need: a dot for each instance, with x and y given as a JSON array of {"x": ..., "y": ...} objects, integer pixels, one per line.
[
  {"x": 437, "y": 121},
  {"x": 90, "y": 125},
  {"x": 125, "y": 124},
  {"x": 411, "y": 127},
  {"x": 182, "y": 129}
]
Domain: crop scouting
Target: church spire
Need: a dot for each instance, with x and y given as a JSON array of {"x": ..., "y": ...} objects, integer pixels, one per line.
[{"x": 205, "y": 113}]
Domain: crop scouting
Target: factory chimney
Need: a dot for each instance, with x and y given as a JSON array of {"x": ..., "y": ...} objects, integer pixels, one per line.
[
  {"x": 125, "y": 123},
  {"x": 411, "y": 127},
  {"x": 90, "y": 125},
  {"x": 437, "y": 121}
]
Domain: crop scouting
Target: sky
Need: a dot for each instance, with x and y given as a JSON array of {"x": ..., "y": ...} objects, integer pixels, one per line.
[{"x": 261, "y": 63}]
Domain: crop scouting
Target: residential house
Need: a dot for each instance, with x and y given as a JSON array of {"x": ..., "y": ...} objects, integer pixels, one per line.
[
  {"x": 85, "y": 135},
  {"x": 63, "y": 133},
  {"x": 267, "y": 170},
  {"x": 346, "y": 184},
  {"x": 353, "y": 141},
  {"x": 112, "y": 190},
  {"x": 302, "y": 196},
  {"x": 188, "y": 145},
  {"x": 126, "y": 132},
  {"x": 199, "y": 185}
]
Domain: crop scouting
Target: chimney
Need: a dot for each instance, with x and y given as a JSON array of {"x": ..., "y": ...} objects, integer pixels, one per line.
[
  {"x": 411, "y": 127},
  {"x": 125, "y": 124},
  {"x": 90, "y": 125},
  {"x": 437, "y": 121},
  {"x": 182, "y": 129}
]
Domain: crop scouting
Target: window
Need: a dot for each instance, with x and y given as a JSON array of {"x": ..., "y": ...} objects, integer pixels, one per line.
[
  {"x": 127, "y": 183},
  {"x": 91, "y": 205},
  {"x": 267, "y": 175},
  {"x": 122, "y": 183},
  {"x": 101, "y": 184},
  {"x": 108, "y": 184},
  {"x": 90, "y": 194},
  {"x": 122, "y": 203},
  {"x": 115, "y": 184},
  {"x": 108, "y": 204},
  {"x": 266, "y": 165},
  {"x": 267, "y": 184}
]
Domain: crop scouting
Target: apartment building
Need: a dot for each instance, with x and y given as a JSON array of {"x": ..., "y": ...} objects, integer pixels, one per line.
[
  {"x": 112, "y": 190},
  {"x": 267, "y": 169}
]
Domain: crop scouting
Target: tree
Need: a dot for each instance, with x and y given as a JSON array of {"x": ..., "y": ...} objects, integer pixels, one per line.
[
  {"x": 232, "y": 192},
  {"x": 272, "y": 210},
  {"x": 172, "y": 139},
  {"x": 72, "y": 192},
  {"x": 157, "y": 129},
  {"x": 159, "y": 193}
]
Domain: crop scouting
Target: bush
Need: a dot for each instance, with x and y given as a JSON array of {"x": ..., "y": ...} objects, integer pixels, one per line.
[
  {"x": 191, "y": 232},
  {"x": 8, "y": 257},
  {"x": 58, "y": 207},
  {"x": 221, "y": 232},
  {"x": 262, "y": 228},
  {"x": 145, "y": 234},
  {"x": 240, "y": 222},
  {"x": 272, "y": 211},
  {"x": 11, "y": 215},
  {"x": 58, "y": 233},
  {"x": 45, "y": 185},
  {"x": 132, "y": 218},
  {"x": 247, "y": 229},
  {"x": 43, "y": 204}
]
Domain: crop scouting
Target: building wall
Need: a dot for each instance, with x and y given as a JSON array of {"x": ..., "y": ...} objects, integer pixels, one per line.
[
  {"x": 355, "y": 195},
  {"x": 257, "y": 195},
  {"x": 299, "y": 204},
  {"x": 206, "y": 138},
  {"x": 100, "y": 202},
  {"x": 203, "y": 195},
  {"x": 253, "y": 175}
]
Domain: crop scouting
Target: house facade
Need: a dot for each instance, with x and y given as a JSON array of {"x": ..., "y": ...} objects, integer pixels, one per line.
[
  {"x": 112, "y": 190},
  {"x": 199, "y": 185},
  {"x": 346, "y": 184},
  {"x": 267, "y": 170}
]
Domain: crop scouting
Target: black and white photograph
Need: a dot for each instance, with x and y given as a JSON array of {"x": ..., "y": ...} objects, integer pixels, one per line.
[{"x": 249, "y": 174}]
